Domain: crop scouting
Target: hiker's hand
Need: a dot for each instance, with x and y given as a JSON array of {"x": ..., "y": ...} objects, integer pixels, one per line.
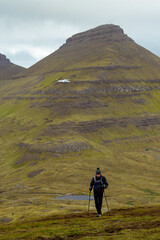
[{"x": 90, "y": 189}]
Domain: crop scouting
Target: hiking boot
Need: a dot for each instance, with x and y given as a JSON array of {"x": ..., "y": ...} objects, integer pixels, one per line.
[{"x": 99, "y": 214}]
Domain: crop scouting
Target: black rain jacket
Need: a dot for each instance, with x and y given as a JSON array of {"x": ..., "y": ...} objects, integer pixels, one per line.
[{"x": 98, "y": 184}]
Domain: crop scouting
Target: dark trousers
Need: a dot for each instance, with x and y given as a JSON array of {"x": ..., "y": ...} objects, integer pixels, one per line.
[{"x": 98, "y": 197}]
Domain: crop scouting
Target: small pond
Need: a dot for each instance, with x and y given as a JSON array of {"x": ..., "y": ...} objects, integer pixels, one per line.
[{"x": 75, "y": 197}]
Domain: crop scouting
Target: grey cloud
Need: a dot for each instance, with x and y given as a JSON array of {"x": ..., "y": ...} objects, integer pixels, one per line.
[
  {"x": 42, "y": 26},
  {"x": 20, "y": 57},
  {"x": 80, "y": 10},
  {"x": 38, "y": 39}
]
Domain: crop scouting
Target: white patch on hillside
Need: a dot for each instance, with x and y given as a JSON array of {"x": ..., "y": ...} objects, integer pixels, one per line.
[{"x": 64, "y": 81}]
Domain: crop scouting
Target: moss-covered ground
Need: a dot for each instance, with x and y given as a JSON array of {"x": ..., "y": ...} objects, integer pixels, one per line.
[{"x": 132, "y": 223}]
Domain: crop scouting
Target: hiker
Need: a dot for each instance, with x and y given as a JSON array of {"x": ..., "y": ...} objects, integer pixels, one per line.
[{"x": 98, "y": 183}]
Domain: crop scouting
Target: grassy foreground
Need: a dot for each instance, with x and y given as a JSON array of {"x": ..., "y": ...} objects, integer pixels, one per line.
[{"x": 133, "y": 223}]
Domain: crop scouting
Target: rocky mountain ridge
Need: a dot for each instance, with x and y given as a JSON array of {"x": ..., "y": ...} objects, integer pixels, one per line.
[
  {"x": 102, "y": 51},
  {"x": 4, "y": 60},
  {"x": 107, "y": 33},
  {"x": 8, "y": 69}
]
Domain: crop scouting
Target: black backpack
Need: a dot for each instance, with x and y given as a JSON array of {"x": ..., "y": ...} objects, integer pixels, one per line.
[{"x": 97, "y": 184}]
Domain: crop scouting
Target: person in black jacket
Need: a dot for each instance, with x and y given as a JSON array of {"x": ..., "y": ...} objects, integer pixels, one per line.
[{"x": 98, "y": 183}]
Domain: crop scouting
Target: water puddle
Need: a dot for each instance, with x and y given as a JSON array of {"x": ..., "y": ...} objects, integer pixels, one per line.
[{"x": 75, "y": 197}]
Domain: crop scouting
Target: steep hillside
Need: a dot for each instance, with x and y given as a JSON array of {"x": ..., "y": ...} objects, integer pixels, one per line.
[
  {"x": 104, "y": 52},
  {"x": 55, "y": 134},
  {"x": 8, "y": 69}
]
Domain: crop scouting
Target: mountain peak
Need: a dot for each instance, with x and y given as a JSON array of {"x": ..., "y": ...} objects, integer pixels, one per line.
[
  {"x": 107, "y": 33},
  {"x": 8, "y": 69},
  {"x": 95, "y": 52},
  {"x": 4, "y": 60}
]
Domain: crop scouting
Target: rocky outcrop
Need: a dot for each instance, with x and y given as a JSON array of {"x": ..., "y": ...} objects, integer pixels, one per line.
[
  {"x": 93, "y": 126},
  {"x": 32, "y": 152},
  {"x": 8, "y": 69},
  {"x": 98, "y": 90},
  {"x": 108, "y": 33},
  {"x": 73, "y": 146},
  {"x": 4, "y": 61}
]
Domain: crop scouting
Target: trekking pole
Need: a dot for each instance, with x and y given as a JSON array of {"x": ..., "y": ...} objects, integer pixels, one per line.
[
  {"x": 107, "y": 203},
  {"x": 89, "y": 201}
]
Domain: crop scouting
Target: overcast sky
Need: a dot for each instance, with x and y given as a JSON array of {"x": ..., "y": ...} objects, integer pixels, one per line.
[{"x": 32, "y": 29}]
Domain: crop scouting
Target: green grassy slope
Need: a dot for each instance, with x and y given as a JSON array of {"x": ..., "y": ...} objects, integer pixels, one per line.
[
  {"x": 138, "y": 223},
  {"x": 54, "y": 135}
]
